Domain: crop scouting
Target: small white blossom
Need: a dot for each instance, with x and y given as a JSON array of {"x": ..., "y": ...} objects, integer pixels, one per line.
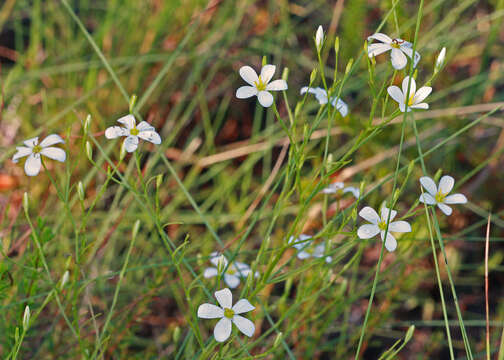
[
  {"x": 234, "y": 271},
  {"x": 260, "y": 85},
  {"x": 379, "y": 225},
  {"x": 321, "y": 96},
  {"x": 398, "y": 47},
  {"x": 305, "y": 249},
  {"x": 319, "y": 37},
  {"x": 339, "y": 188},
  {"x": 34, "y": 151},
  {"x": 439, "y": 196},
  {"x": 133, "y": 132},
  {"x": 228, "y": 314},
  {"x": 440, "y": 60},
  {"x": 415, "y": 97}
]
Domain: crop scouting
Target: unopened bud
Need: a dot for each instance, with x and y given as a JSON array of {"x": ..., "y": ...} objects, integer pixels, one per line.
[
  {"x": 89, "y": 151},
  {"x": 319, "y": 38},
  {"x": 176, "y": 334},
  {"x": 26, "y": 204},
  {"x": 26, "y": 318},
  {"x": 278, "y": 339},
  {"x": 285, "y": 74},
  {"x": 349, "y": 66},
  {"x": 136, "y": 227},
  {"x": 87, "y": 123},
  {"x": 132, "y": 103},
  {"x": 64, "y": 279},
  {"x": 159, "y": 180},
  {"x": 440, "y": 60},
  {"x": 80, "y": 191},
  {"x": 336, "y": 45}
]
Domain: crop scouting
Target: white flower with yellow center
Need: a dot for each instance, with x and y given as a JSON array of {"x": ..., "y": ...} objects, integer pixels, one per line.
[
  {"x": 439, "y": 196},
  {"x": 133, "y": 132},
  {"x": 34, "y": 151},
  {"x": 399, "y": 50},
  {"x": 322, "y": 98},
  {"x": 233, "y": 272},
  {"x": 415, "y": 97},
  {"x": 339, "y": 189},
  {"x": 305, "y": 249},
  {"x": 260, "y": 85},
  {"x": 228, "y": 314},
  {"x": 379, "y": 225}
]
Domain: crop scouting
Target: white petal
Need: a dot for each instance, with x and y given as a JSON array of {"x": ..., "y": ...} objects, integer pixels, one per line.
[
  {"x": 265, "y": 98},
  {"x": 411, "y": 81},
  {"x": 242, "y": 306},
  {"x": 267, "y": 73},
  {"x": 215, "y": 257},
  {"x": 22, "y": 151},
  {"x": 367, "y": 231},
  {"x": 399, "y": 226},
  {"x": 210, "y": 311},
  {"x": 31, "y": 142},
  {"x": 402, "y": 107},
  {"x": 406, "y": 48},
  {"x": 390, "y": 242},
  {"x": 231, "y": 280},
  {"x": 277, "y": 85},
  {"x": 244, "y": 325},
  {"x": 427, "y": 198},
  {"x": 51, "y": 140},
  {"x": 128, "y": 121},
  {"x": 54, "y": 153},
  {"x": 222, "y": 329},
  {"x": 144, "y": 125},
  {"x": 245, "y": 92},
  {"x": 380, "y": 37},
  {"x": 370, "y": 215},
  {"x": 151, "y": 136},
  {"x": 421, "y": 94},
  {"x": 319, "y": 251},
  {"x": 417, "y": 59},
  {"x": 429, "y": 185},
  {"x": 446, "y": 184},
  {"x": 396, "y": 94},
  {"x": 353, "y": 190},
  {"x": 423, "y": 106},
  {"x": 131, "y": 143},
  {"x": 32, "y": 165},
  {"x": 303, "y": 255},
  {"x": 384, "y": 212},
  {"x": 377, "y": 49},
  {"x": 115, "y": 132},
  {"x": 210, "y": 272},
  {"x": 399, "y": 60},
  {"x": 249, "y": 75},
  {"x": 445, "y": 208},
  {"x": 455, "y": 199},
  {"x": 224, "y": 297}
]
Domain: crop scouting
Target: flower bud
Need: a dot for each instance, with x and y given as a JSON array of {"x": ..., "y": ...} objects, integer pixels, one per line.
[
  {"x": 80, "y": 191},
  {"x": 159, "y": 180},
  {"x": 176, "y": 334},
  {"x": 26, "y": 204},
  {"x": 319, "y": 38},
  {"x": 26, "y": 318},
  {"x": 440, "y": 60},
  {"x": 285, "y": 74},
  {"x": 278, "y": 339},
  {"x": 136, "y": 227},
  {"x": 64, "y": 279},
  {"x": 336, "y": 45},
  {"x": 313, "y": 76},
  {"x": 349, "y": 66},
  {"x": 89, "y": 151},
  {"x": 132, "y": 103},
  {"x": 87, "y": 123}
]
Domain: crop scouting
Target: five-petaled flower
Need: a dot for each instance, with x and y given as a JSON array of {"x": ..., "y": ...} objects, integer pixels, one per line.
[
  {"x": 305, "y": 249},
  {"x": 232, "y": 272},
  {"x": 439, "y": 196},
  {"x": 415, "y": 97},
  {"x": 34, "y": 151},
  {"x": 321, "y": 96},
  {"x": 398, "y": 49},
  {"x": 379, "y": 225},
  {"x": 228, "y": 314},
  {"x": 339, "y": 189},
  {"x": 260, "y": 85},
  {"x": 132, "y": 132}
]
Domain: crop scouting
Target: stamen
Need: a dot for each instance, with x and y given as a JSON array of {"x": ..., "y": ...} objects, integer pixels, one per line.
[{"x": 229, "y": 313}]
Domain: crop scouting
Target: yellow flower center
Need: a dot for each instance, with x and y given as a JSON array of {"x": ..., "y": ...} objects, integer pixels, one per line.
[
  {"x": 396, "y": 43},
  {"x": 36, "y": 149},
  {"x": 229, "y": 313},
  {"x": 231, "y": 270},
  {"x": 260, "y": 85},
  {"x": 440, "y": 197},
  {"x": 382, "y": 225},
  {"x": 410, "y": 101},
  {"x": 134, "y": 131}
]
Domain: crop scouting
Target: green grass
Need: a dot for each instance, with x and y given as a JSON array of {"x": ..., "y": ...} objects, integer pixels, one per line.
[{"x": 233, "y": 177}]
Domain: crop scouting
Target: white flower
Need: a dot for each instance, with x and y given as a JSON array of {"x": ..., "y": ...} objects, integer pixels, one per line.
[
  {"x": 339, "y": 188},
  {"x": 133, "y": 132},
  {"x": 319, "y": 37},
  {"x": 260, "y": 85},
  {"x": 228, "y": 314},
  {"x": 440, "y": 59},
  {"x": 379, "y": 224},
  {"x": 321, "y": 96},
  {"x": 234, "y": 271},
  {"x": 399, "y": 48},
  {"x": 439, "y": 197},
  {"x": 34, "y": 151},
  {"x": 305, "y": 250},
  {"x": 415, "y": 97}
]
